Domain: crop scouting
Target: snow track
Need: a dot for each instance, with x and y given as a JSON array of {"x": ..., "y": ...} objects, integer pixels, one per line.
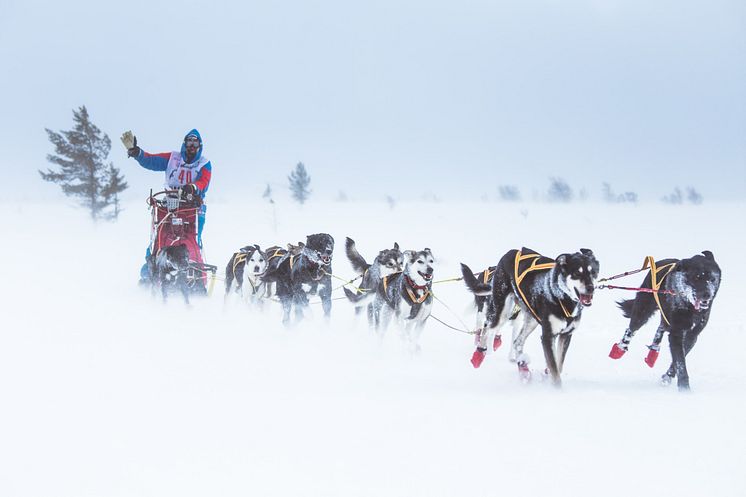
[{"x": 107, "y": 392}]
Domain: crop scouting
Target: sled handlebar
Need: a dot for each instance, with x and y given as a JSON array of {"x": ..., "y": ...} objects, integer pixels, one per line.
[{"x": 172, "y": 198}]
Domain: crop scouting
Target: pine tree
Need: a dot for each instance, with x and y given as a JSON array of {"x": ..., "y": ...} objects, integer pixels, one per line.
[
  {"x": 559, "y": 190},
  {"x": 299, "y": 181},
  {"x": 114, "y": 185},
  {"x": 81, "y": 154}
]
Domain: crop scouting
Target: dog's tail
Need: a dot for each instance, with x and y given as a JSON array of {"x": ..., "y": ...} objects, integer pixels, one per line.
[
  {"x": 639, "y": 309},
  {"x": 359, "y": 299},
  {"x": 473, "y": 284},
  {"x": 626, "y": 306},
  {"x": 357, "y": 260}
]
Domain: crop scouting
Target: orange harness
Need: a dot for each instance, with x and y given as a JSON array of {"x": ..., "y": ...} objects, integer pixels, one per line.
[
  {"x": 656, "y": 280},
  {"x": 535, "y": 266},
  {"x": 415, "y": 299},
  {"x": 278, "y": 253},
  {"x": 238, "y": 258}
]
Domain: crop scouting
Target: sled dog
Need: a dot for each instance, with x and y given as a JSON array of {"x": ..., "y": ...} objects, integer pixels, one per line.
[
  {"x": 547, "y": 292},
  {"x": 407, "y": 296},
  {"x": 248, "y": 266},
  {"x": 304, "y": 269},
  {"x": 170, "y": 269},
  {"x": 686, "y": 290},
  {"x": 386, "y": 263}
]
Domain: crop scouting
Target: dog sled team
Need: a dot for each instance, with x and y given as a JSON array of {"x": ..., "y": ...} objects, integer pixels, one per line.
[{"x": 525, "y": 288}]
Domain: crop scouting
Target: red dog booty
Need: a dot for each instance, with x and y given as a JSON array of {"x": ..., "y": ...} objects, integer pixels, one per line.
[
  {"x": 477, "y": 357},
  {"x": 497, "y": 342},
  {"x": 617, "y": 351},
  {"x": 651, "y": 357}
]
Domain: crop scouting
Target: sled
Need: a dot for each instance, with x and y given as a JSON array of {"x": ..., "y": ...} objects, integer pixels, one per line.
[{"x": 175, "y": 221}]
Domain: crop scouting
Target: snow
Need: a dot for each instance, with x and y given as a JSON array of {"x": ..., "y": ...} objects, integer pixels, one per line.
[{"x": 108, "y": 392}]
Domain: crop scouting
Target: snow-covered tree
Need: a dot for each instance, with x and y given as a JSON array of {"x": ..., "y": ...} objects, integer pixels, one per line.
[
  {"x": 509, "y": 193},
  {"x": 693, "y": 196},
  {"x": 81, "y": 155},
  {"x": 613, "y": 198},
  {"x": 268, "y": 194},
  {"x": 559, "y": 190},
  {"x": 674, "y": 198},
  {"x": 299, "y": 181}
]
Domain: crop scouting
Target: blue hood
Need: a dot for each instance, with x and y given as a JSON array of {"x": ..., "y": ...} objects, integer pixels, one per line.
[{"x": 199, "y": 151}]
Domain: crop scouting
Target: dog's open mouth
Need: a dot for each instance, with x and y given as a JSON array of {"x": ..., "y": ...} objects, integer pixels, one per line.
[
  {"x": 701, "y": 304},
  {"x": 425, "y": 276},
  {"x": 585, "y": 298}
]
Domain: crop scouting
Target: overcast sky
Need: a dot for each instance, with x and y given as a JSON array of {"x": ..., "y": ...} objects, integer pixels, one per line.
[{"x": 389, "y": 97}]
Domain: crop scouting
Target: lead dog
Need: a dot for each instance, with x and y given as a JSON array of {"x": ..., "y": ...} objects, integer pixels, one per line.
[
  {"x": 686, "y": 289},
  {"x": 386, "y": 263},
  {"x": 548, "y": 292},
  {"x": 248, "y": 265},
  {"x": 407, "y": 296}
]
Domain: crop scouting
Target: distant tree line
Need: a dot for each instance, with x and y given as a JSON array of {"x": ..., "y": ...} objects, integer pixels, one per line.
[
  {"x": 677, "y": 197},
  {"x": 614, "y": 198}
]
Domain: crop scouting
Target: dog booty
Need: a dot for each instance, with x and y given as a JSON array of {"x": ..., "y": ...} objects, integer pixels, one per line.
[
  {"x": 477, "y": 357},
  {"x": 651, "y": 357},
  {"x": 617, "y": 351}
]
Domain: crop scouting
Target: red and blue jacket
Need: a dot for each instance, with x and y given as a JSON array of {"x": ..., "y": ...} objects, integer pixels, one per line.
[{"x": 178, "y": 171}]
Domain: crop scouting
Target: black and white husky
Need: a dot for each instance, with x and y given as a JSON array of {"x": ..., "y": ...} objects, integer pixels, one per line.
[
  {"x": 407, "y": 296},
  {"x": 686, "y": 290},
  {"x": 248, "y": 266},
  {"x": 302, "y": 270},
  {"x": 547, "y": 292},
  {"x": 170, "y": 267},
  {"x": 386, "y": 263}
]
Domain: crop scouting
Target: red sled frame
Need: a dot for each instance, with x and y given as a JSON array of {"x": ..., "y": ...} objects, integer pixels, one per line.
[{"x": 175, "y": 221}]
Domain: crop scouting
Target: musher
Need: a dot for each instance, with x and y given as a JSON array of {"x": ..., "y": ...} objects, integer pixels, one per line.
[{"x": 187, "y": 169}]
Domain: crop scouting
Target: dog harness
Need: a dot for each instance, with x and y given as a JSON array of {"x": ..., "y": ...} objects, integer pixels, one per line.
[
  {"x": 278, "y": 253},
  {"x": 412, "y": 285},
  {"x": 409, "y": 287},
  {"x": 238, "y": 258},
  {"x": 488, "y": 274},
  {"x": 528, "y": 263},
  {"x": 657, "y": 275},
  {"x": 386, "y": 282}
]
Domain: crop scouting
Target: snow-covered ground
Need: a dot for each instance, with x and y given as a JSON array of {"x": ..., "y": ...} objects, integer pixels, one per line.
[{"x": 108, "y": 392}]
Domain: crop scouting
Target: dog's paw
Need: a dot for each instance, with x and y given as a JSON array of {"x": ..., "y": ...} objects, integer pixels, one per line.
[
  {"x": 524, "y": 373},
  {"x": 521, "y": 357},
  {"x": 617, "y": 350},
  {"x": 478, "y": 357},
  {"x": 652, "y": 357},
  {"x": 666, "y": 380}
]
